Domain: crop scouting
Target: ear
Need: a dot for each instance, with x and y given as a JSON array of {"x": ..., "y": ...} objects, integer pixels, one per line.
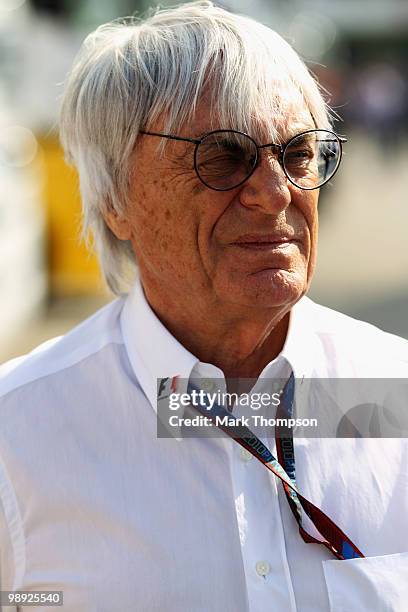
[{"x": 118, "y": 224}]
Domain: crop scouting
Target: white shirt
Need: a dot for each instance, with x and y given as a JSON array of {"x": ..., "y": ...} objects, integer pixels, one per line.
[{"x": 95, "y": 505}]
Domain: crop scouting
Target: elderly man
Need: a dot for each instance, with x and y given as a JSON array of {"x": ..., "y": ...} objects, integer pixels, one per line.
[{"x": 201, "y": 142}]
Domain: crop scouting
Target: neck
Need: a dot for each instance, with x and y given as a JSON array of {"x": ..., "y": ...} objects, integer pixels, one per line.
[{"x": 241, "y": 346}]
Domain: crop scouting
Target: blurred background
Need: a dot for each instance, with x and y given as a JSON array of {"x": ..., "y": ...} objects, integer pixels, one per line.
[{"x": 357, "y": 48}]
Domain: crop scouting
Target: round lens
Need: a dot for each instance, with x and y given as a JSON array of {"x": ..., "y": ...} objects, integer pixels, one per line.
[
  {"x": 224, "y": 159},
  {"x": 311, "y": 159}
]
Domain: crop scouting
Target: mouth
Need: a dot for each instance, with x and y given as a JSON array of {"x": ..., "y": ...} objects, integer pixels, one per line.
[
  {"x": 265, "y": 242},
  {"x": 265, "y": 246}
]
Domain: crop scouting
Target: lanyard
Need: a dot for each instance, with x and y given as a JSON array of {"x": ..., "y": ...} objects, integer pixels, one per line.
[{"x": 334, "y": 538}]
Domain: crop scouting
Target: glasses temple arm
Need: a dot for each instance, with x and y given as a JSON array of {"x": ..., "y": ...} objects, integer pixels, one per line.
[{"x": 171, "y": 137}]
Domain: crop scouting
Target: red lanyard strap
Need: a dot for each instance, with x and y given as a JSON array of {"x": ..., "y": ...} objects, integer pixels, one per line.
[{"x": 334, "y": 538}]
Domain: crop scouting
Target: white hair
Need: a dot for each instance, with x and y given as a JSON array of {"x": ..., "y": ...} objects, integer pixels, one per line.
[{"x": 131, "y": 71}]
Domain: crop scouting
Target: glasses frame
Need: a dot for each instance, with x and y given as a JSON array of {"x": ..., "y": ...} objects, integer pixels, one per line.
[{"x": 281, "y": 148}]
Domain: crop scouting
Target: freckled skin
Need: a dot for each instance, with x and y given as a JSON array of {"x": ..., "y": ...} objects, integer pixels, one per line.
[{"x": 227, "y": 306}]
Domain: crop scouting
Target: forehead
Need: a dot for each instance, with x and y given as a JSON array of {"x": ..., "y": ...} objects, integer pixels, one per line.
[{"x": 291, "y": 117}]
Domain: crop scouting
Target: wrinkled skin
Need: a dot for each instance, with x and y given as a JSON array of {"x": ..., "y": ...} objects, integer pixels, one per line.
[{"x": 227, "y": 303}]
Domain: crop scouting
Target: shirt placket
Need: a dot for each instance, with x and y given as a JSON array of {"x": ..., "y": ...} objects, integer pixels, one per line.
[{"x": 260, "y": 528}]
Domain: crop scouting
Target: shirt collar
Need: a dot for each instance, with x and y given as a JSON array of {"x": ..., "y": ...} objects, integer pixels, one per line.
[
  {"x": 155, "y": 354},
  {"x": 301, "y": 340}
]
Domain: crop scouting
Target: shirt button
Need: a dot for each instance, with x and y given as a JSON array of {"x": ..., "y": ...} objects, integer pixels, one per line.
[
  {"x": 245, "y": 455},
  {"x": 262, "y": 568}
]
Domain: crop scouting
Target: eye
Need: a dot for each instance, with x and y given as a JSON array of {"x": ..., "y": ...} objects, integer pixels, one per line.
[
  {"x": 230, "y": 147},
  {"x": 299, "y": 154}
]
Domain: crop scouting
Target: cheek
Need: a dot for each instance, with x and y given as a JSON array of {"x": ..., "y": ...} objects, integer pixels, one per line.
[
  {"x": 162, "y": 227},
  {"x": 304, "y": 216},
  {"x": 149, "y": 220},
  {"x": 313, "y": 224},
  {"x": 309, "y": 209}
]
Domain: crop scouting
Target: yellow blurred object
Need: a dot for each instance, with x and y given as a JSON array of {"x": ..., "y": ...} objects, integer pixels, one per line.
[{"x": 72, "y": 269}]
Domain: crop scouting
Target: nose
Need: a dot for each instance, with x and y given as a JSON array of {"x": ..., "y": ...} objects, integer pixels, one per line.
[{"x": 267, "y": 189}]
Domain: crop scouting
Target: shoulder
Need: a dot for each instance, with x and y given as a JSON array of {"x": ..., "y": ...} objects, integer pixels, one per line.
[
  {"x": 63, "y": 353},
  {"x": 48, "y": 398},
  {"x": 345, "y": 337}
]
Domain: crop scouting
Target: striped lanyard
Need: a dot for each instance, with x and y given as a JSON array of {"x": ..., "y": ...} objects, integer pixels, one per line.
[{"x": 333, "y": 537}]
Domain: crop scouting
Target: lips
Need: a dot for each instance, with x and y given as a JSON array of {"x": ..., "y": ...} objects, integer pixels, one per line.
[{"x": 264, "y": 241}]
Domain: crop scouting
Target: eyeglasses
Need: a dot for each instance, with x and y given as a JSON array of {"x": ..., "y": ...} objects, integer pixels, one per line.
[{"x": 224, "y": 159}]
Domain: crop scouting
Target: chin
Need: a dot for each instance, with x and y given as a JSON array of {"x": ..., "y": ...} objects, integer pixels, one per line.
[{"x": 271, "y": 288}]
